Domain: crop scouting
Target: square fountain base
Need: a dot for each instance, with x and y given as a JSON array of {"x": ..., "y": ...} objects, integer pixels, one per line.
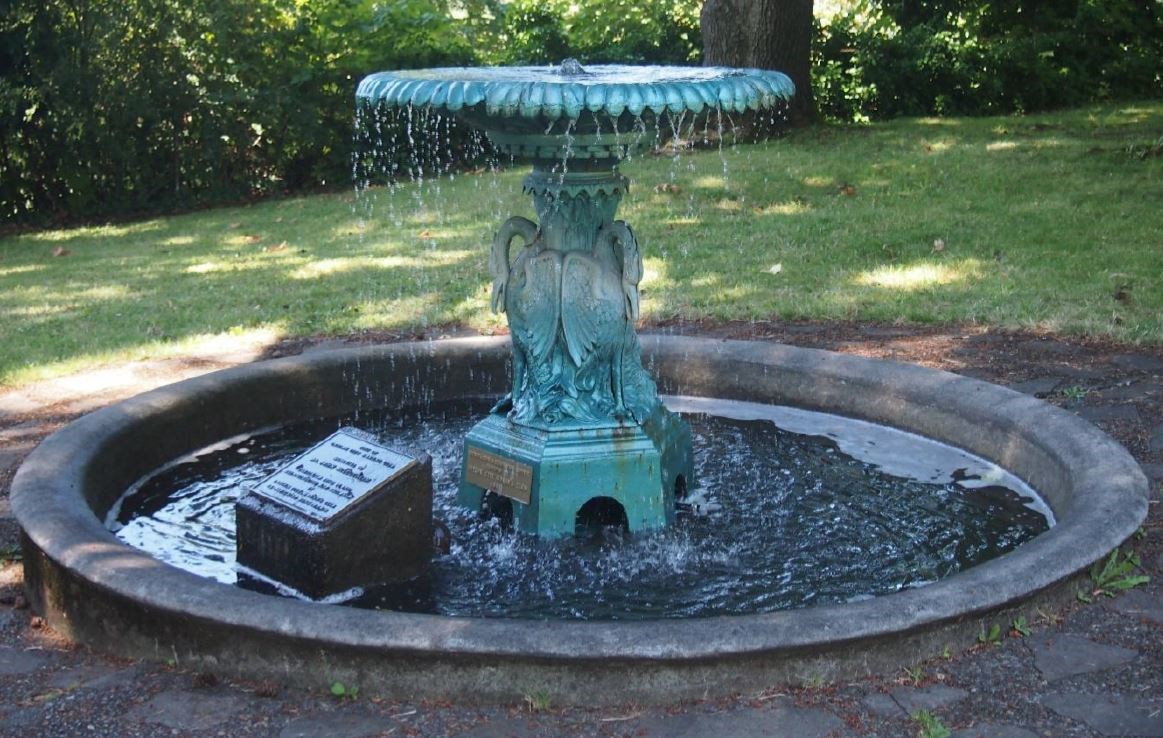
[{"x": 549, "y": 475}]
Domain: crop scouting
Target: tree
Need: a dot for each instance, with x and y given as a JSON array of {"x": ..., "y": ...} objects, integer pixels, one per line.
[{"x": 764, "y": 34}]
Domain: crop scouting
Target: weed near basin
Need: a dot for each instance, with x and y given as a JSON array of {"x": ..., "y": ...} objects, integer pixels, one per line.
[{"x": 1048, "y": 221}]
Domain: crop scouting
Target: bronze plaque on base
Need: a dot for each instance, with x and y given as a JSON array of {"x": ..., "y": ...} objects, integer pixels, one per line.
[{"x": 499, "y": 474}]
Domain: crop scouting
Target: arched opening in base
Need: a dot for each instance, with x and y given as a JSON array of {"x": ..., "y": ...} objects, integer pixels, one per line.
[
  {"x": 600, "y": 514},
  {"x": 494, "y": 505}
]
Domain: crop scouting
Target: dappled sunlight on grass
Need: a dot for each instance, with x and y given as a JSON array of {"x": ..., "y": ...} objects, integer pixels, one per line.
[
  {"x": 919, "y": 276},
  {"x": 105, "y": 231},
  {"x": 242, "y": 343},
  {"x": 706, "y": 280},
  {"x": 206, "y": 267},
  {"x": 25, "y": 269},
  {"x": 421, "y": 261},
  {"x": 938, "y": 122},
  {"x": 709, "y": 183},
  {"x": 1133, "y": 114},
  {"x": 826, "y": 223},
  {"x": 33, "y": 312},
  {"x": 73, "y": 294},
  {"x": 252, "y": 264},
  {"x": 411, "y": 310},
  {"x": 787, "y": 207},
  {"x": 652, "y": 272}
]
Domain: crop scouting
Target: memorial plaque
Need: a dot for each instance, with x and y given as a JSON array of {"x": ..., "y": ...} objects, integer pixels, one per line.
[
  {"x": 501, "y": 475},
  {"x": 332, "y": 475},
  {"x": 347, "y": 515}
]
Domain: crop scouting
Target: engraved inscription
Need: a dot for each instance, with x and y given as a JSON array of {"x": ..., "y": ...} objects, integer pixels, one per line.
[
  {"x": 498, "y": 474},
  {"x": 333, "y": 474}
]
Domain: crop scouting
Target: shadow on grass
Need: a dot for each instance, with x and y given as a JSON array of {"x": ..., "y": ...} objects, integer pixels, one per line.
[{"x": 1044, "y": 222}]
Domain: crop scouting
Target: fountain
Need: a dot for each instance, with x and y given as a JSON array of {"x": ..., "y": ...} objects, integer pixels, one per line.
[{"x": 581, "y": 420}]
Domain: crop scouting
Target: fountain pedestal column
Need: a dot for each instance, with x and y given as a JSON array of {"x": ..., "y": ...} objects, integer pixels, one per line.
[{"x": 583, "y": 421}]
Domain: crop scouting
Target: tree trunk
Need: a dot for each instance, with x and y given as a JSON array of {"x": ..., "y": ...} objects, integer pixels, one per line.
[{"x": 765, "y": 34}]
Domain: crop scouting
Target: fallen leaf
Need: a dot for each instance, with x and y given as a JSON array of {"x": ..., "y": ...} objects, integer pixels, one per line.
[
  {"x": 60, "y": 251},
  {"x": 667, "y": 187},
  {"x": 425, "y": 234},
  {"x": 939, "y": 244},
  {"x": 775, "y": 269},
  {"x": 234, "y": 225},
  {"x": 847, "y": 189},
  {"x": 278, "y": 247},
  {"x": 252, "y": 239}
]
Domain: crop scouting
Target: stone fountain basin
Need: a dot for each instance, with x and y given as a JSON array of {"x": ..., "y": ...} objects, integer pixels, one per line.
[{"x": 97, "y": 590}]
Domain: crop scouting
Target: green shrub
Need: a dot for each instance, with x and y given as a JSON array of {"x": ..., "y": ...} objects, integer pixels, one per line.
[
  {"x": 879, "y": 60},
  {"x": 601, "y": 31},
  {"x": 116, "y": 106}
]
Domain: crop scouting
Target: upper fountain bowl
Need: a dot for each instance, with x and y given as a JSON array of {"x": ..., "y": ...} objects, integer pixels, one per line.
[{"x": 541, "y": 112}]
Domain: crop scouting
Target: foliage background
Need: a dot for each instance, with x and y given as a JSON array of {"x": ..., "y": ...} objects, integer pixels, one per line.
[
  {"x": 877, "y": 60},
  {"x": 114, "y": 107}
]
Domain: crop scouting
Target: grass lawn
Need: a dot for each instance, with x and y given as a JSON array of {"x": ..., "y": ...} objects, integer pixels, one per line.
[{"x": 1051, "y": 222}]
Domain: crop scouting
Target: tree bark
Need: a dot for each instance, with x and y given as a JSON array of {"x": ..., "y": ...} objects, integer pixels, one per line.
[{"x": 765, "y": 34}]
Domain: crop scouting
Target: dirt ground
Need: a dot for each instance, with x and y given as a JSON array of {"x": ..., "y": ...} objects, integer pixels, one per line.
[{"x": 1087, "y": 670}]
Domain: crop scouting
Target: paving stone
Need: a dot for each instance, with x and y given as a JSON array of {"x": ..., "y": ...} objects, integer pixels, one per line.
[
  {"x": 18, "y": 662},
  {"x": 1111, "y": 715},
  {"x": 994, "y": 730},
  {"x": 1134, "y": 391},
  {"x": 1078, "y": 373},
  {"x": 15, "y": 404},
  {"x": 185, "y": 710},
  {"x": 1038, "y": 387},
  {"x": 9, "y": 530},
  {"x": 332, "y": 345},
  {"x": 523, "y": 727},
  {"x": 985, "y": 375},
  {"x": 778, "y": 720},
  {"x": 342, "y": 724},
  {"x": 1141, "y": 604},
  {"x": 1060, "y": 656},
  {"x": 1138, "y": 362},
  {"x": 11, "y": 455},
  {"x": 1154, "y": 472},
  {"x": 94, "y": 676},
  {"x": 880, "y": 703},
  {"x": 1049, "y": 347},
  {"x": 1100, "y": 413},
  {"x": 912, "y": 699},
  {"x": 1156, "y": 442},
  {"x": 28, "y": 718}
]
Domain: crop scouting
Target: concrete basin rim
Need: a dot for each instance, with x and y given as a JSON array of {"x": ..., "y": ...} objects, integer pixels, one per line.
[{"x": 59, "y": 523}]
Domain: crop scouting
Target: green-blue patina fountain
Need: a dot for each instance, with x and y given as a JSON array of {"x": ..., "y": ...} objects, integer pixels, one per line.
[{"x": 583, "y": 430}]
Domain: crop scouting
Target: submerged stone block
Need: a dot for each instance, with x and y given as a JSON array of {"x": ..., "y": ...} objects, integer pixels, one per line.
[{"x": 349, "y": 513}]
